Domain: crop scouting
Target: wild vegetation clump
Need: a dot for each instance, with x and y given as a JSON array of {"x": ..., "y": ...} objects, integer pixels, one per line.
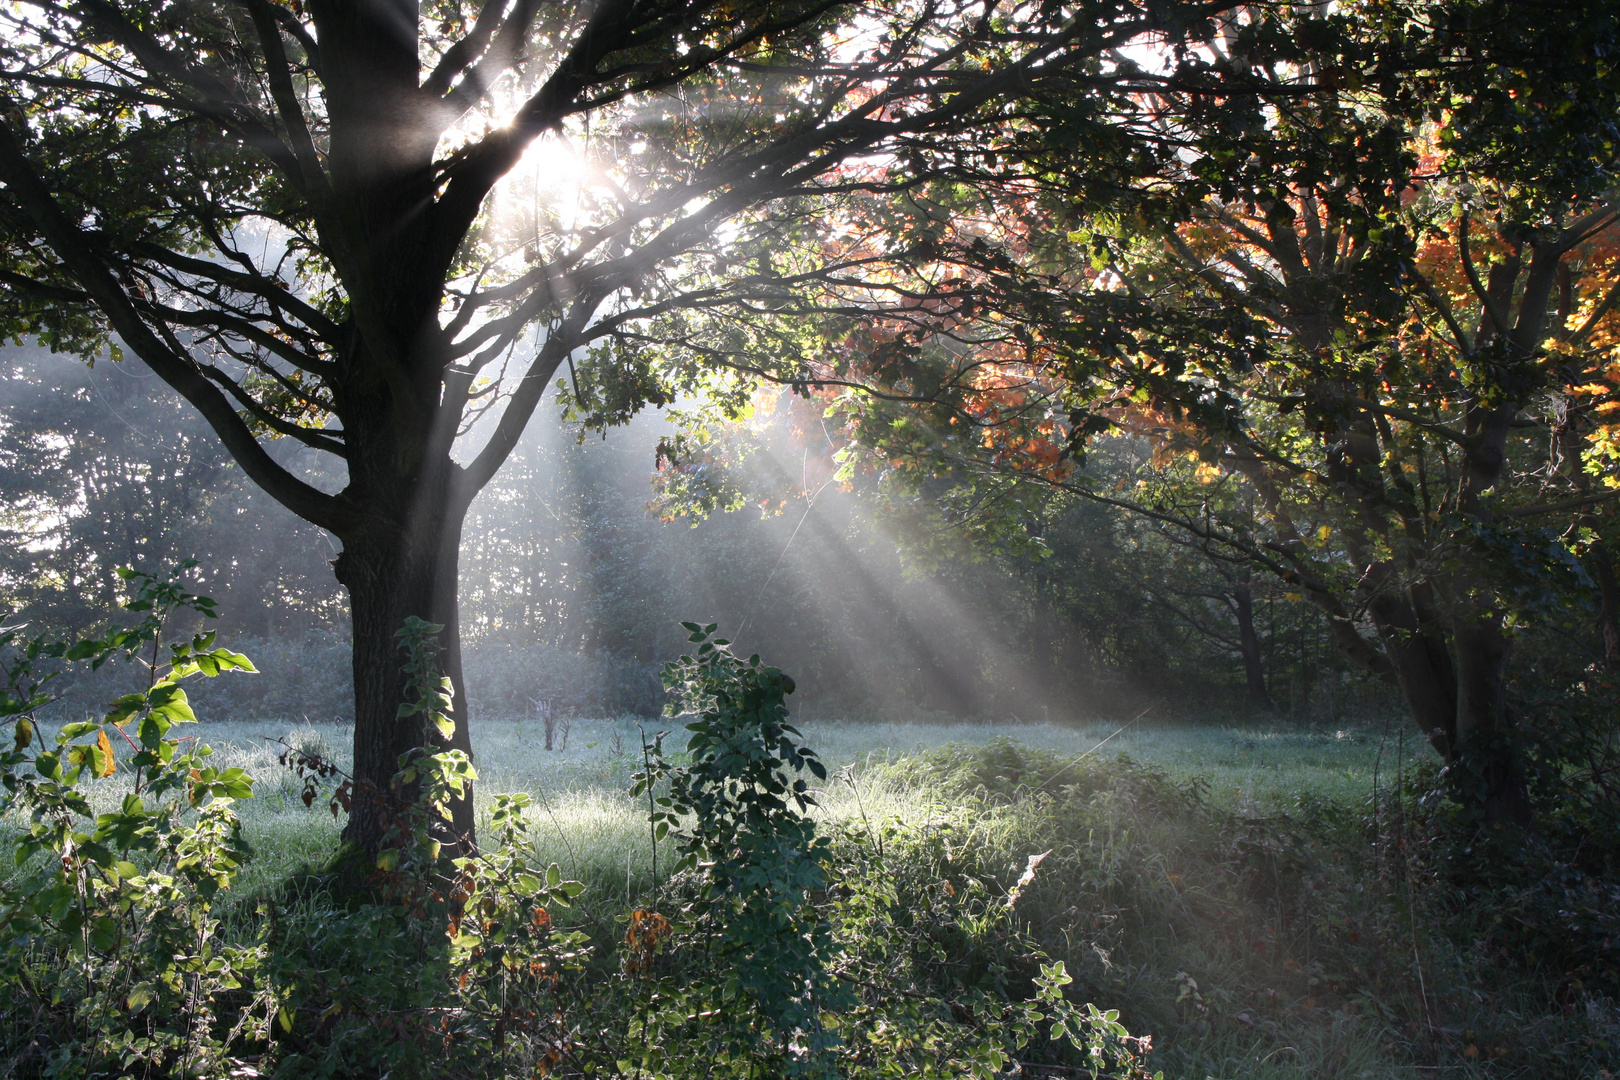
[
  {"x": 1324, "y": 939},
  {"x": 764, "y": 953},
  {"x": 112, "y": 961}
]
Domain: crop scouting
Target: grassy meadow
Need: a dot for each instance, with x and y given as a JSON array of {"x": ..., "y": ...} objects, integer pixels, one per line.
[
  {"x": 585, "y": 821},
  {"x": 1227, "y": 888},
  {"x": 1257, "y": 897}
]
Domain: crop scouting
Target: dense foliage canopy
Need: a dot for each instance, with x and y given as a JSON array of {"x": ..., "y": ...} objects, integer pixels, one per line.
[{"x": 1361, "y": 310}]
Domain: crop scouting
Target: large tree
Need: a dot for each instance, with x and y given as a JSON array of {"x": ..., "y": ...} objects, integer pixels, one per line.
[
  {"x": 367, "y": 224},
  {"x": 1370, "y": 293}
]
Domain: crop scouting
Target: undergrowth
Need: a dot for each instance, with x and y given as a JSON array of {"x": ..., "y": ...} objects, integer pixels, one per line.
[
  {"x": 1026, "y": 922},
  {"x": 1327, "y": 940}
]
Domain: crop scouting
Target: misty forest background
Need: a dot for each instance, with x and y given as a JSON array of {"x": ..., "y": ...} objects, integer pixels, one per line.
[{"x": 575, "y": 578}]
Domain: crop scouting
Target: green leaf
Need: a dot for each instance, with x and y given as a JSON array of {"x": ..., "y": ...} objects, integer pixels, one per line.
[
  {"x": 97, "y": 853},
  {"x": 76, "y": 730},
  {"x": 232, "y": 661},
  {"x": 139, "y": 998},
  {"x": 124, "y": 708},
  {"x": 169, "y": 701},
  {"x": 83, "y": 649},
  {"x": 151, "y": 732}
]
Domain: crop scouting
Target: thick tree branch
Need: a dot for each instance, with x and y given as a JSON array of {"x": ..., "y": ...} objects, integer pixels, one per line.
[
  {"x": 268, "y": 289},
  {"x": 286, "y": 99},
  {"x": 562, "y": 339},
  {"x": 72, "y": 247},
  {"x": 1497, "y": 318},
  {"x": 310, "y": 438},
  {"x": 466, "y": 50}
]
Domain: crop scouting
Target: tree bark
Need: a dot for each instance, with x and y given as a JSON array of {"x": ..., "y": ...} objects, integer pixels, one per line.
[
  {"x": 1423, "y": 667},
  {"x": 393, "y": 570},
  {"x": 1254, "y": 670},
  {"x": 1493, "y": 784}
]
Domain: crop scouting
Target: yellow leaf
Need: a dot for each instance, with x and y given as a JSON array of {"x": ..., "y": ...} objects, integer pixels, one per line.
[
  {"x": 107, "y": 765},
  {"x": 1296, "y": 597}
]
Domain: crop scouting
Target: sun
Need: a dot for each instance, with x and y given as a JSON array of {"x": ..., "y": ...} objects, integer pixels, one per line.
[{"x": 554, "y": 164}]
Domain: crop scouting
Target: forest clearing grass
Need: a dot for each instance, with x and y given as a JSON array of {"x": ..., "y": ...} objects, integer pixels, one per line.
[
  {"x": 585, "y": 821},
  {"x": 1215, "y": 883}
]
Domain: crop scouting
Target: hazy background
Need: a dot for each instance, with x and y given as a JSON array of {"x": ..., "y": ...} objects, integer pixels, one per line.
[{"x": 573, "y": 590}]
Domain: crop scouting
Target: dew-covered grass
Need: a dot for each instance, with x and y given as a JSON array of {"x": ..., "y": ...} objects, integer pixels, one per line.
[
  {"x": 583, "y": 818},
  {"x": 1134, "y": 871}
]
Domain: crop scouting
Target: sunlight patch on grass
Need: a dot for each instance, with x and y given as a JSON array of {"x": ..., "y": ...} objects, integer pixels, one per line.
[{"x": 585, "y": 822}]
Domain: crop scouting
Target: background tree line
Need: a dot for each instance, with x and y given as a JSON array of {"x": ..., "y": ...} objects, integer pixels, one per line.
[{"x": 574, "y": 587}]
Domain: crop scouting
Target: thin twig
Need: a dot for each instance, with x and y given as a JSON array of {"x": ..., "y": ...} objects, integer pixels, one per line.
[{"x": 1099, "y": 746}]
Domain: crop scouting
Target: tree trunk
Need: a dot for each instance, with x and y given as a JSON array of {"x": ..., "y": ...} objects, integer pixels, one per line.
[
  {"x": 394, "y": 571},
  {"x": 1423, "y": 668},
  {"x": 1458, "y": 697},
  {"x": 1254, "y": 670},
  {"x": 1493, "y": 783},
  {"x": 1609, "y": 611},
  {"x": 1414, "y": 638}
]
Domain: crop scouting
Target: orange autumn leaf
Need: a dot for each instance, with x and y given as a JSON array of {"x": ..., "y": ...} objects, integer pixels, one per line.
[{"x": 103, "y": 744}]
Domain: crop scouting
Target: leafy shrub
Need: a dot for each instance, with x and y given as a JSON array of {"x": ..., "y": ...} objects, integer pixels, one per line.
[
  {"x": 113, "y": 963},
  {"x": 1547, "y": 898},
  {"x": 736, "y": 811},
  {"x": 782, "y": 960},
  {"x": 110, "y": 959},
  {"x": 1364, "y": 938}
]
